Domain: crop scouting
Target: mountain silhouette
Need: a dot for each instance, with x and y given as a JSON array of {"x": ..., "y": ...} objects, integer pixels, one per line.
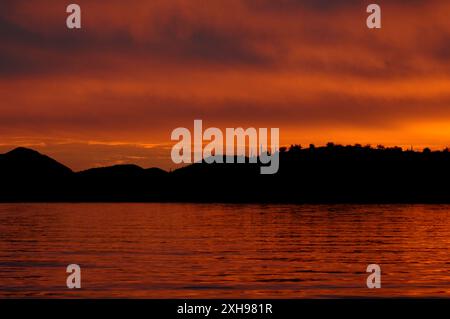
[
  {"x": 330, "y": 174},
  {"x": 30, "y": 176},
  {"x": 26, "y": 162},
  {"x": 119, "y": 183}
]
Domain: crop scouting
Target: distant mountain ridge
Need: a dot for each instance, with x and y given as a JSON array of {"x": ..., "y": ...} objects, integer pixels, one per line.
[
  {"x": 329, "y": 174},
  {"x": 23, "y": 160}
]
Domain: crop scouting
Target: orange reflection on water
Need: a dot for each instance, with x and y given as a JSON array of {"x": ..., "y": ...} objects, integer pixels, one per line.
[{"x": 224, "y": 251}]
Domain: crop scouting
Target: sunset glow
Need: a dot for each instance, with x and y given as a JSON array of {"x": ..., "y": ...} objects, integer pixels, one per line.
[{"x": 113, "y": 91}]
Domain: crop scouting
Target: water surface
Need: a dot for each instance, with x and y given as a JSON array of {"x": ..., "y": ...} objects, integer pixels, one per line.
[{"x": 224, "y": 251}]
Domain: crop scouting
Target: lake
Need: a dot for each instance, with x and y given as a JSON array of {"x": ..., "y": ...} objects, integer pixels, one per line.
[{"x": 224, "y": 251}]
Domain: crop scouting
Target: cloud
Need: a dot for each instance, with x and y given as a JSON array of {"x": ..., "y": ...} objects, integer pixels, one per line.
[{"x": 136, "y": 70}]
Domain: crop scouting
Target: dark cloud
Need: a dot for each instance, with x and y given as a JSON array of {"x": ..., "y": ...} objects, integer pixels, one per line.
[
  {"x": 324, "y": 6},
  {"x": 177, "y": 38}
]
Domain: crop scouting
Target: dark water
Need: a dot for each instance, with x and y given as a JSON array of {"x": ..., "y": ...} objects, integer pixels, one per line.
[{"x": 229, "y": 251}]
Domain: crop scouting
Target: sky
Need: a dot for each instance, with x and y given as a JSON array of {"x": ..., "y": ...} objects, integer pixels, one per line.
[{"x": 113, "y": 91}]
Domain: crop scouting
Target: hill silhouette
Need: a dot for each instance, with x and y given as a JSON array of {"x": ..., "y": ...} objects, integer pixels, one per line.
[
  {"x": 27, "y": 175},
  {"x": 330, "y": 174}
]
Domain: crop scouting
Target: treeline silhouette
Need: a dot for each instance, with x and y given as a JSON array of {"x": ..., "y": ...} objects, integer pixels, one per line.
[{"x": 329, "y": 174}]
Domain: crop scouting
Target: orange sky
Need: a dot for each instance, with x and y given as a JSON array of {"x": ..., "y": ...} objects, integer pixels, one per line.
[{"x": 113, "y": 91}]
